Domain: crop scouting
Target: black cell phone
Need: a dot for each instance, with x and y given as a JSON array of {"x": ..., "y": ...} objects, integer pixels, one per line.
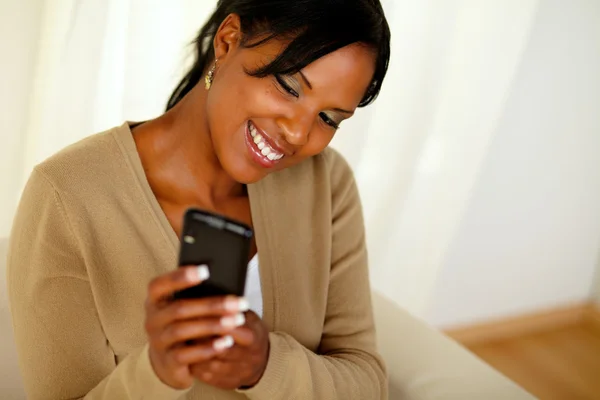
[{"x": 220, "y": 243}]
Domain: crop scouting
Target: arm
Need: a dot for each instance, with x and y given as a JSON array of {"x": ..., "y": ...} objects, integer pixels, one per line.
[
  {"x": 347, "y": 365},
  {"x": 62, "y": 349}
]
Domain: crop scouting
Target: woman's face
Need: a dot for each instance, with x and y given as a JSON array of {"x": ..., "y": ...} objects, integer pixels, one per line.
[{"x": 262, "y": 125}]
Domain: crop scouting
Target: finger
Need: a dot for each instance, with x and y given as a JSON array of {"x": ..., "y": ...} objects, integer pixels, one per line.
[
  {"x": 186, "y": 309},
  {"x": 163, "y": 287},
  {"x": 198, "y": 329},
  {"x": 200, "y": 352},
  {"x": 243, "y": 336},
  {"x": 225, "y": 380},
  {"x": 220, "y": 367},
  {"x": 234, "y": 354}
]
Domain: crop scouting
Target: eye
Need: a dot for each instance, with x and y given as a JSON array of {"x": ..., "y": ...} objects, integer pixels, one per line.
[
  {"x": 281, "y": 81},
  {"x": 329, "y": 121}
]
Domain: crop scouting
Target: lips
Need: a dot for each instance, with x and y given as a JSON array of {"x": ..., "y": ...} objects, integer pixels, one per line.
[{"x": 262, "y": 148}]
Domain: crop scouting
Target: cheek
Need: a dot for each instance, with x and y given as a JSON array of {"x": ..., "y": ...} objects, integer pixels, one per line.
[
  {"x": 266, "y": 101},
  {"x": 227, "y": 114},
  {"x": 226, "y": 104},
  {"x": 240, "y": 99},
  {"x": 319, "y": 139}
]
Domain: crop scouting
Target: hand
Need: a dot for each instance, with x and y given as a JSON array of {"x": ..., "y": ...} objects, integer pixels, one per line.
[
  {"x": 187, "y": 331},
  {"x": 242, "y": 365}
]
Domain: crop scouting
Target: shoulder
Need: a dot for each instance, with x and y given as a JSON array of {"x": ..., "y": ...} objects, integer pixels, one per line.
[
  {"x": 337, "y": 166},
  {"x": 337, "y": 171},
  {"x": 325, "y": 180},
  {"x": 343, "y": 188},
  {"x": 83, "y": 163},
  {"x": 329, "y": 166}
]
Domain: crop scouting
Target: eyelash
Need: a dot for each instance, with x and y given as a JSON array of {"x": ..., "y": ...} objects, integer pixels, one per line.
[
  {"x": 329, "y": 121},
  {"x": 286, "y": 87},
  {"x": 292, "y": 92}
]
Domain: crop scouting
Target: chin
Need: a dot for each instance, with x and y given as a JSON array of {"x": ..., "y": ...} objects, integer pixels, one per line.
[
  {"x": 244, "y": 173},
  {"x": 245, "y": 164},
  {"x": 247, "y": 179}
]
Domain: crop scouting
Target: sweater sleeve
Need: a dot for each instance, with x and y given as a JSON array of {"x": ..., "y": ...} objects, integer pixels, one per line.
[
  {"x": 346, "y": 365},
  {"x": 63, "y": 352}
]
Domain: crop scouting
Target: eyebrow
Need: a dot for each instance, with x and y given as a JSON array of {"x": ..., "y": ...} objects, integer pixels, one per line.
[
  {"x": 310, "y": 87},
  {"x": 305, "y": 80},
  {"x": 343, "y": 111}
]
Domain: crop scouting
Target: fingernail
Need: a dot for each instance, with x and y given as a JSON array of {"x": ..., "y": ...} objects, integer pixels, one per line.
[
  {"x": 223, "y": 343},
  {"x": 243, "y": 304},
  {"x": 233, "y": 321},
  {"x": 198, "y": 274},
  {"x": 239, "y": 304}
]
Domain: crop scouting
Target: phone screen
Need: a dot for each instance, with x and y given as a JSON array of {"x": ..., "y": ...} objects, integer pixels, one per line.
[{"x": 221, "y": 244}]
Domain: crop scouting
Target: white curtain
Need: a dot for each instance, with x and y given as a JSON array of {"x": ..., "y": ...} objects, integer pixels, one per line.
[{"x": 416, "y": 152}]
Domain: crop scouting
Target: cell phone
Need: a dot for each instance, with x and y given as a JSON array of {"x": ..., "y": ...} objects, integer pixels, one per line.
[{"x": 220, "y": 243}]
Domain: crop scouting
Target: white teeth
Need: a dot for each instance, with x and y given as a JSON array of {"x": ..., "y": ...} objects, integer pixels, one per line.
[{"x": 263, "y": 146}]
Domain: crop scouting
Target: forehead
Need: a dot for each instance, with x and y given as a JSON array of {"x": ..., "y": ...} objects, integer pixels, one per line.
[
  {"x": 346, "y": 73},
  {"x": 343, "y": 75}
]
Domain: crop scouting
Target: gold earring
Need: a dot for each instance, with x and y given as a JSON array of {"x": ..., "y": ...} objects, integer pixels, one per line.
[{"x": 208, "y": 80}]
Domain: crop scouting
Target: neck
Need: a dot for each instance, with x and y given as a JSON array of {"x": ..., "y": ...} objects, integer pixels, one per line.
[{"x": 180, "y": 158}]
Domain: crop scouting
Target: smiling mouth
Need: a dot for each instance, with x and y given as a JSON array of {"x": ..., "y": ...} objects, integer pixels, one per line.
[{"x": 262, "y": 146}]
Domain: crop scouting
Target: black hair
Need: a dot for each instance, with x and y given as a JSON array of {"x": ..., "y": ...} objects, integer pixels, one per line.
[{"x": 315, "y": 28}]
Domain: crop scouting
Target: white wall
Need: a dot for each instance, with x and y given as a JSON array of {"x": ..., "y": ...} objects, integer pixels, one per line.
[
  {"x": 531, "y": 233},
  {"x": 19, "y": 34},
  {"x": 596, "y": 288},
  {"x": 102, "y": 62},
  {"x": 452, "y": 67}
]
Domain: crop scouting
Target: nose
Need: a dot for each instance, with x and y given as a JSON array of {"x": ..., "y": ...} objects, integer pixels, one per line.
[{"x": 296, "y": 128}]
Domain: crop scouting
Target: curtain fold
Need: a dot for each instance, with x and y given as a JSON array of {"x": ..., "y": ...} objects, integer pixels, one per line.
[{"x": 452, "y": 69}]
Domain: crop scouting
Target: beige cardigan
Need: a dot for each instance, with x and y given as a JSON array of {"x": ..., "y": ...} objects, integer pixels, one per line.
[{"x": 89, "y": 235}]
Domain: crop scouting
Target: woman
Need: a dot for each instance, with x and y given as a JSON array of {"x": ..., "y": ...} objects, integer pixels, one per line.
[{"x": 94, "y": 245}]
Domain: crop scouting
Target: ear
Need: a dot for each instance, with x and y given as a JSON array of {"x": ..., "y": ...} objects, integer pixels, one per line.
[{"x": 228, "y": 36}]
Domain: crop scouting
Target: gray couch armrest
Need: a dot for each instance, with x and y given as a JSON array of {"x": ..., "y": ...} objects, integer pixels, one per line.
[{"x": 424, "y": 364}]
